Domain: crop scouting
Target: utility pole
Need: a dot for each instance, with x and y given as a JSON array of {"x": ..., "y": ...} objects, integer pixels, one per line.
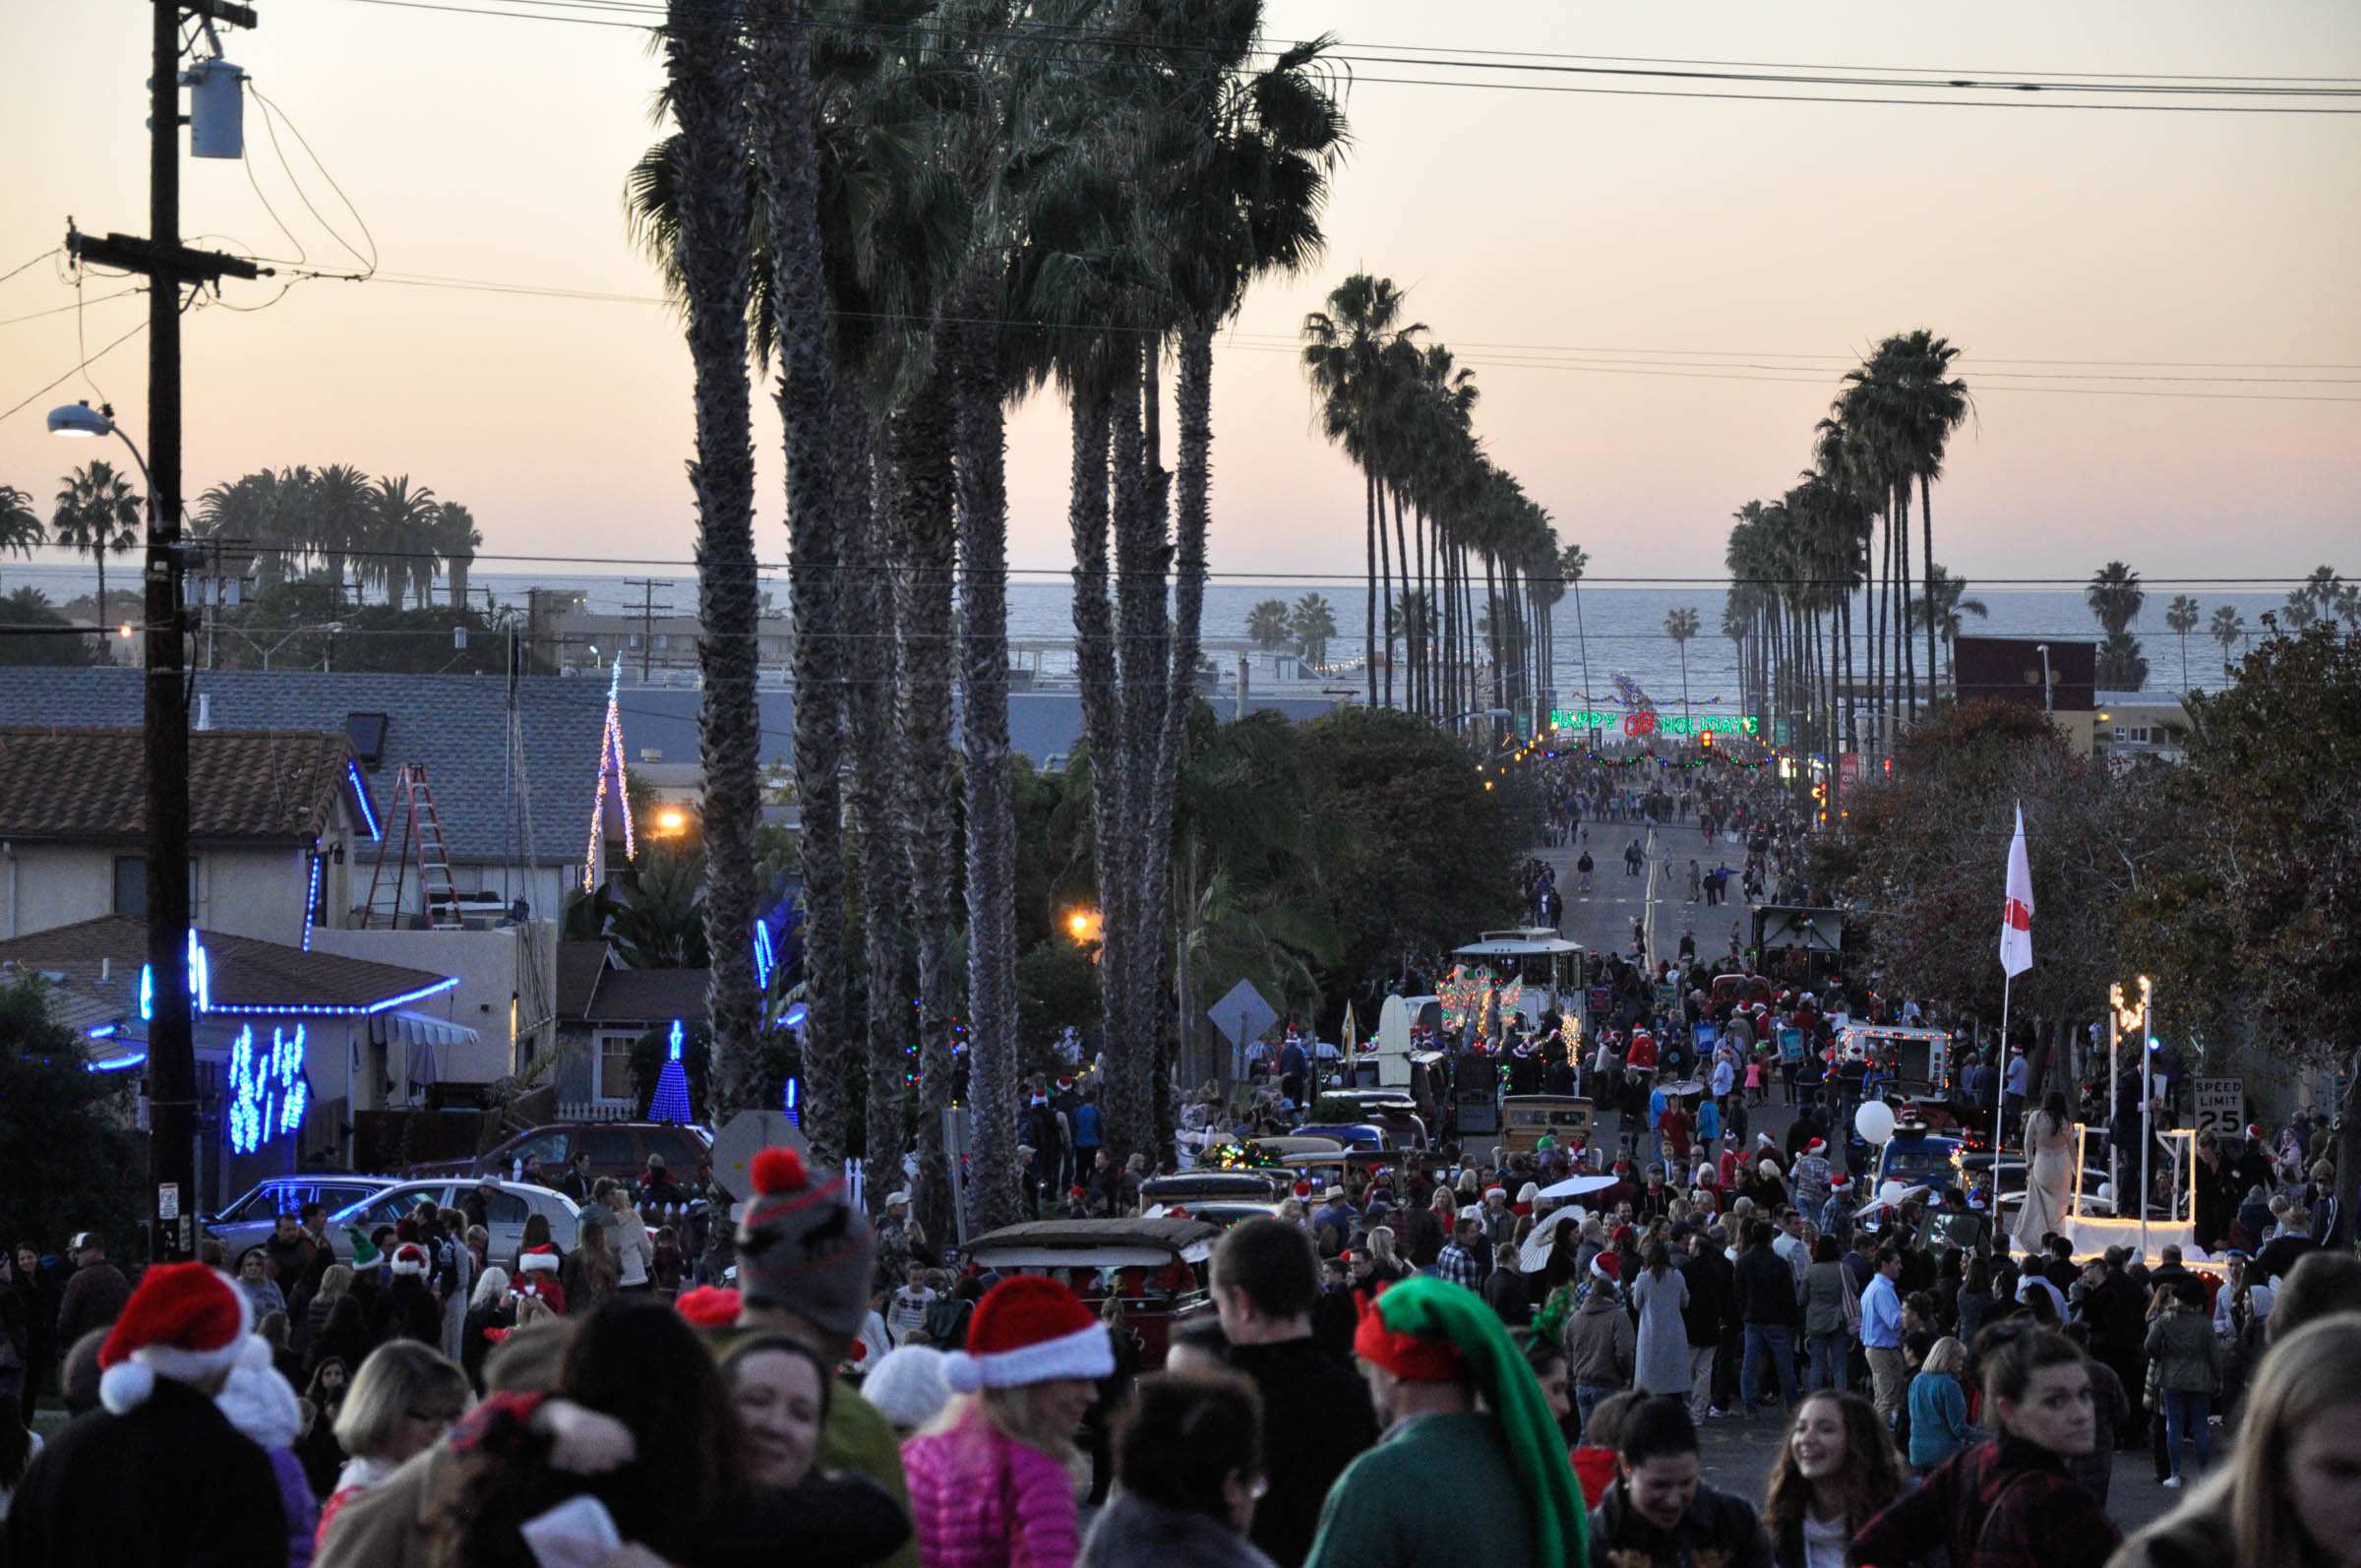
[
  {"x": 648, "y": 607},
  {"x": 171, "y": 1031}
]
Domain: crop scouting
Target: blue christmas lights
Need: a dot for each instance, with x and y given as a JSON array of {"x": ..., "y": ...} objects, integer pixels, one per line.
[
  {"x": 311, "y": 902},
  {"x": 790, "y": 1100},
  {"x": 766, "y": 958},
  {"x": 268, "y": 1092},
  {"x": 360, "y": 792},
  {"x": 201, "y": 982},
  {"x": 671, "y": 1100}
]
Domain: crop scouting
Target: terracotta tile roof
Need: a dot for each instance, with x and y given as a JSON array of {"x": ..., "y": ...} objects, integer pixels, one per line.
[
  {"x": 245, "y": 975},
  {"x": 90, "y": 783}
]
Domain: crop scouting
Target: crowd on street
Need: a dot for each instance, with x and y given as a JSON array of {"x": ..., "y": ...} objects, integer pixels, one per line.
[{"x": 1426, "y": 1362}]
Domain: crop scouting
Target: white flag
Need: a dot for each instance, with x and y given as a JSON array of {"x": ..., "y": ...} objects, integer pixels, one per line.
[{"x": 2017, "y": 911}]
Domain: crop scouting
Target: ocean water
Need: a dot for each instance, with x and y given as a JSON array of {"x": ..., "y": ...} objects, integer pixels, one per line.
[{"x": 1620, "y": 630}]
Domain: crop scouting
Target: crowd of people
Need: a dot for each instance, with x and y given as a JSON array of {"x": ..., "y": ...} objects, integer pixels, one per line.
[{"x": 1427, "y": 1364}]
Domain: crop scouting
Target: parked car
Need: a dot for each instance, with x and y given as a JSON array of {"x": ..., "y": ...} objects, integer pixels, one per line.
[
  {"x": 617, "y": 1149},
  {"x": 510, "y": 1205},
  {"x": 247, "y": 1223}
]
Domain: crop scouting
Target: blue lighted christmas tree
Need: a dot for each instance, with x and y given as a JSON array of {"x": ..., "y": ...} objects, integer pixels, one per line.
[{"x": 671, "y": 1101}]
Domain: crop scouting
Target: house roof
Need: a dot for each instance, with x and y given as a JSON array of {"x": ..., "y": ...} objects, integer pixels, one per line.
[
  {"x": 579, "y": 964},
  {"x": 663, "y": 721},
  {"x": 457, "y": 725},
  {"x": 244, "y": 975},
  {"x": 84, "y": 782},
  {"x": 647, "y": 997}
]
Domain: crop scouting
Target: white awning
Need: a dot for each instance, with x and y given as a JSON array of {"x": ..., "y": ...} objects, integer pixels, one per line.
[{"x": 417, "y": 1028}]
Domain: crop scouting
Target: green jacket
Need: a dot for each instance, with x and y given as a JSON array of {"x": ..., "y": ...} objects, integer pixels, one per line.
[{"x": 1384, "y": 1511}]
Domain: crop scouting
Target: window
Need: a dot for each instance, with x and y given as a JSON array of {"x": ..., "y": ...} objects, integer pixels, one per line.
[
  {"x": 682, "y": 1149},
  {"x": 506, "y": 1208},
  {"x": 615, "y": 1067},
  {"x": 397, "y": 1205},
  {"x": 367, "y": 732},
  {"x": 610, "y": 1148},
  {"x": 131, "y": 886},
  {"x": 548, "y": 1151}
]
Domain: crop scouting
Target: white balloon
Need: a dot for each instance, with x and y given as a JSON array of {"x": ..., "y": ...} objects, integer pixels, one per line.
[{"x": 1874, "y": 1121}]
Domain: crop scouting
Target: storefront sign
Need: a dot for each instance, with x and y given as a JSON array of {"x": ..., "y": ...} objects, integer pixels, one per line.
[{"x": 1648, "y": 722}]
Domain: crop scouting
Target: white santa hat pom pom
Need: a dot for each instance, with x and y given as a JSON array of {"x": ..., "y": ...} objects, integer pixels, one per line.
[
  {"x": 125, "y": 1386},
  {"x": 963, "y": 1372}
]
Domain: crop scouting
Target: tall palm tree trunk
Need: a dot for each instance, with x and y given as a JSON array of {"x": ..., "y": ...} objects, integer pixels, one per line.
[
  {"x": 1385, "y": 596},
  {"x": 1368, "y": 488},
  {"x": 1192, "y": 518},
  {"x": 1098, "y": 672},
  {"x": 1411, "y": 628},
  {"x": 1926, "y": 525},
  {"x": 787, "y": 166},
  {"x": 1143, "y": 556},
  {"x": 981, "y": 445},
  {"x": 1901, "y": 580},
  {"x": 706, "y": 66},
  {"x": 920, "y": 445},
  {"x": 873, "y": 714}
]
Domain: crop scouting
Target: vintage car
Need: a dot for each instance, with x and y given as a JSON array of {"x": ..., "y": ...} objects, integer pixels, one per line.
[{"x": 1149, "y": 1272}]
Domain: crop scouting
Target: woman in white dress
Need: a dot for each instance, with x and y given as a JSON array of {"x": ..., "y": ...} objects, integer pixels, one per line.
[{"x": 2050, "y": 1153}]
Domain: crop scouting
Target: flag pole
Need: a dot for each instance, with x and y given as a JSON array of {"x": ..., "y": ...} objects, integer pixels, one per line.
[{"x": 2000, "y": 1101}]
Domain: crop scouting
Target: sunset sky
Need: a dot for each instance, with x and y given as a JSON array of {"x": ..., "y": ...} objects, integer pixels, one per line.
[{"x": 1709, "y": 238}]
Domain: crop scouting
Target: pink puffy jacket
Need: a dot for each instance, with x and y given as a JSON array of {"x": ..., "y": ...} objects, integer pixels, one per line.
[{"x": 981, "y": 1499}]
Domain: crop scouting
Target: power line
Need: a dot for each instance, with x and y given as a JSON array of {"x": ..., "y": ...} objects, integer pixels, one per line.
[
  {"x": 1513, "y": 356},
  {"x": 1045, "y": 38},
  {"x": 60, "y": 310},
  {"x": 779, "y": 569},
  {"x": 76, "y": 370},
  {"x": 36, "y": 261}
]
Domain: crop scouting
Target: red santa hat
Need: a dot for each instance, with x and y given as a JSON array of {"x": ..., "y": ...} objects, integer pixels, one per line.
[
  {"x": 1029, "y": 1329},
  {"x": 708, "y": 1307},
  {"x": 186, "y": 1322},
  {"x": 409, "y": 1259},
  {"x": 1607, "y": 1266},
  {"x": 542, "y": 1259},
  {"x": 1816, "y": 1146}
]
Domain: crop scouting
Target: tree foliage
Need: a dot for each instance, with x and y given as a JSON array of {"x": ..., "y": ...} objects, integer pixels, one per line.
[
  {"x": 30, "y": 608},
  {"x": 79, "y": 1165}
]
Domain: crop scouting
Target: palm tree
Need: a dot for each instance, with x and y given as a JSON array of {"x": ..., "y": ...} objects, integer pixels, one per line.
[
  {"x": 2121, "y": 665},
  {"x": 2301, "y": 609},
  {"x": 1346, "y": 355},
  {"x": 341, "y": 521},
  {"x": 1313, "y": 623},
  {"x": 456, "y": 539},
  {"x": 2115, "y": 596},
  {"x": 400, "y": 534},
  {"x": 2181, "y": 618},
  {"x": 21, "y": 527},
  {"x": 2226, "y": 627},
  {"x": 2348, "y": 605},
  {"x": 704, "y": 246},
  {"x": 97, "y": 510},
  {"x": 1680, "y": 624},
  {"x": 1267, "y": 625},
  {"x": 2321, "y": 588},
  {"x": 1572, "y": 562},
  {"x": 1929, "y": 408},
  {"x": 1945, "y": 605}
]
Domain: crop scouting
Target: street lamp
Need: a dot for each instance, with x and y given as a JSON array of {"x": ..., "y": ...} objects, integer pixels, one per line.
[
  {"x": 77, "y": 421},
  {"x": 1084, "y": 926}
]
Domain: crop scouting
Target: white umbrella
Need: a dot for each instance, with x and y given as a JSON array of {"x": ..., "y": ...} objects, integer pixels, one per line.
[
  {"x": 1691, "y": 1087},
  {"x": 1576, "y": 1186},
  {"x": 1890, "y": 1199},
  {"x": 1533, "y": 1255}
]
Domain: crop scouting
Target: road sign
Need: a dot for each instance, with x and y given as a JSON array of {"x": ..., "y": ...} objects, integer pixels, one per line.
[
  {"x": 1242, "y": 1015},
  {"x": 2220, "y": 1105},
  {"x": 748, "y": 1135},
  {"x": 168, "y": 1200}
]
